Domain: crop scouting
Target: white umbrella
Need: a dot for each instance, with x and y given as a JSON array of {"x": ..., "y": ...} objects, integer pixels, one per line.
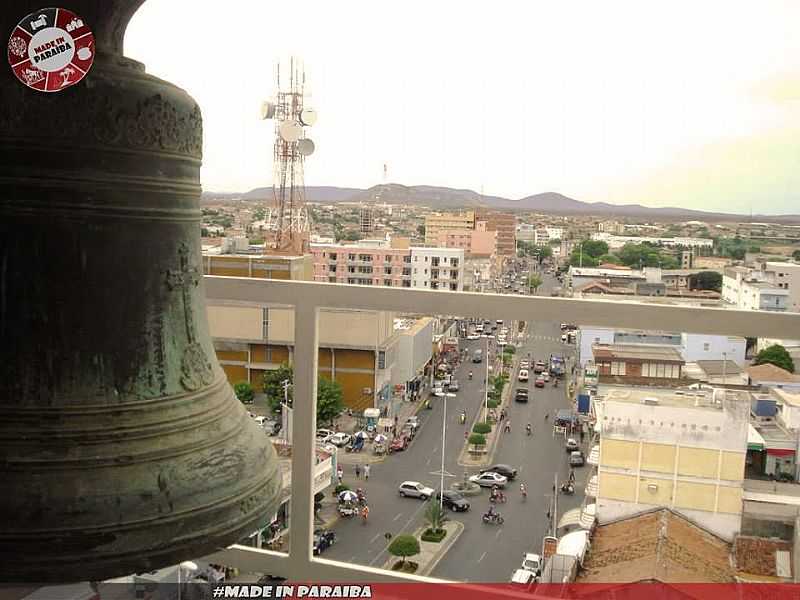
[
  {"x": 348, "y": 496},
  {"x": 360, "y": 434},
  {"x": 380, "y": 438}
]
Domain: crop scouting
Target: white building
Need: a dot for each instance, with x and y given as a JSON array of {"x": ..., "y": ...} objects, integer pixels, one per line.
[
  {"x": 437, "y": 268},
  {"x": 785, "y": 275},
  {"x": 414, "y": 351},
  {"x": 618, "y": 241},
  {"x": 691, "y": 346},
  {"x": 544, "y": 235},
  {"x": 746, "y": 289},
  {"x": 526, "y": 232}
]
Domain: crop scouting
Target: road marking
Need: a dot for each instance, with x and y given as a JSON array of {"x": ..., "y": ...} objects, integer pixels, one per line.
[
  {"x": 377, "y": 535},
  {"x": 499, "y": 531},
  {"x": 429, "y": 461},
  {"x": 482, "y": 557},
  {"x": 397, "y": 517}
]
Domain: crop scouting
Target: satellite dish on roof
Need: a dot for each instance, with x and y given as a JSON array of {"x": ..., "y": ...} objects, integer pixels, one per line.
[
  {"x": 308, "y": 116},
  {"x": 305, "y": 147},
  {"x": 290, "y": 131},
  {"x": 267, "y": 110}
]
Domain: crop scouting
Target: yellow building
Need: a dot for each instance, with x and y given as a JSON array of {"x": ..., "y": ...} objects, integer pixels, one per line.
[
  {"x": 438, "y": 222},
  {"x": 357, "y": 348},
  {"x": 672, "y": 449}
]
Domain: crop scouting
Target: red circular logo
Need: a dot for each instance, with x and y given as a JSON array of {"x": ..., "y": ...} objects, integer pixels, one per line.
[{"x": 51, "y": 49}]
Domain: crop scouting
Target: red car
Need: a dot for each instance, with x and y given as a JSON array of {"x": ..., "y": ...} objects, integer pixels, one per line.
[
  {"x": 399, "y": 444},
  {"x": 539, "y": 382}
]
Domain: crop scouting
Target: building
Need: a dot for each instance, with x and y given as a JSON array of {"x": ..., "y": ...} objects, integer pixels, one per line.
[
  {"x": 635, "y": 363},
  {"x": 437, "y": 222},
  {"x": 772, "y": 376},
  {"x": 437, "y": 268},
  {"x": 711, "y": 263},
  {"x": 216, "y": 261},
  {"x": 743, "y": 289},
  {"x": 414, "y": 354},
  {"x": 366, "y": 218},
  {"x": 505, "y": 224},
  {"x": 720, "y": 372},
  {"x": 544, "y": 235},
  {"x": 785, "y": 275},
  {"x": 474, "y": 242},
  {"x": 526, "y": 232},
  {"x": 672, "y": 449},
  {"x": 616, "y": 242},
  {"x": 364, "y": 263}
]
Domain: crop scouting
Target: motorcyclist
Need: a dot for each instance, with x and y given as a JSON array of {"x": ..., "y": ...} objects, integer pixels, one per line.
[
  {"x": 523, "y": 490},
  {"x": 470, "y": 375},
  {"x": 494, "y": 493},
  {"x": 528, "y": 428},
  {"x": 491, "y": 513}
]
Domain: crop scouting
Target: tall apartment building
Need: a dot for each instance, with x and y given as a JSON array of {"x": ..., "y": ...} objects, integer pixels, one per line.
[
  {"x": 544, "y": 235},
  {"x": 476, "y": 242},
  {"x": 437, "y": 222},
  {"x": 785, "y": 275},
  {"x": 389, "y": 264},
  {"x": 505, "y": 224},
  {"x": 667, "y": 448}
]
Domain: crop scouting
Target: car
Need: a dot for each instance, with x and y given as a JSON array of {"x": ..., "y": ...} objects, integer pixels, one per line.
[
  {"x": 414, "y": 420},
  {"x": 323, "y": 539},
  {"x": 414, "y": 489},
  {"x": 564, "y": 338},
  {"x": 523, "y": 375},
  {"x": 438, "y": 391},
  {"x": 473, "y": 336},
  {"x": 502, "y": 343},
  {"x": 576, "y": 459},
  {"x": 272, "y": 428},
  {"x": 479, "y": 328},
  {"x": 538, "y": 367},
  {"x": 571, "y": 445},
  {"x": 564, "y": 327},
  {"x": 532, "y": 563},
  {"x": 499, "y": 321},
  {"x": 521, "y": 395},
  {"x": 546, "y": 375},
  {"x": 453, "y": 386},
  {"x": 477, "y": 357},
  {"x": 539, "y": 383},
  {"x": 453, "y": 500},
  {"x": 523, "y": 577},
  {"x": 410, "y": 429},
  {"x": 524, "y": 364},
  {"x": 489, "y": 479},
  {"x": 506, "y": 471},
  {"x": 260, "y": 420},
  {"x": 323, "y": 435},
  {"x": 340, "y": 439},
  {"x": 399, "y": 443}
]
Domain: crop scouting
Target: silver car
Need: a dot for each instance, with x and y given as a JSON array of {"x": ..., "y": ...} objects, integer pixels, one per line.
[{"x": 414, "y": 489}]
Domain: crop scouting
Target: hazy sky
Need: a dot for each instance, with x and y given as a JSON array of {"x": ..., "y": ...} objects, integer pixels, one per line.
[{"x": 693, "y": 104}]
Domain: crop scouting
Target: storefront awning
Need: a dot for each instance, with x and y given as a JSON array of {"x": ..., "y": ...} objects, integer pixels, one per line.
[
  {"x": 754, "y": 439},
  {"x": 570, "y": 518}
]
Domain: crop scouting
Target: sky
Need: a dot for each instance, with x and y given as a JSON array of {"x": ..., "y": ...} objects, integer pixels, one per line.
[{"x": 691, "y": 104}]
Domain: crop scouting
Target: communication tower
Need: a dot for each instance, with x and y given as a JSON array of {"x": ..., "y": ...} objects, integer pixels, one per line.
[{"x": 288, "y": 226}]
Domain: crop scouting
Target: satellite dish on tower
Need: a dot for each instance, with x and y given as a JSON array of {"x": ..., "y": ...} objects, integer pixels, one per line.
[
  {"x": 290, "y": 131},
  {"x": 305, "y": 147},
  {"x": 267, "y": 110},
  {"x": 308, "y": 116}
]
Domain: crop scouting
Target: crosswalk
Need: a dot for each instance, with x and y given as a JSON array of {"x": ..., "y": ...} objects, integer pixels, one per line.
[{"x": 547, "y": 338}]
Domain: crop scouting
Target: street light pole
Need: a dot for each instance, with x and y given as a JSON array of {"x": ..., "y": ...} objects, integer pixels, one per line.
[
  {"x": 486, "y": 385},
  {"x": 724, "y": 368},
  {"x": 444, "y": 435}
]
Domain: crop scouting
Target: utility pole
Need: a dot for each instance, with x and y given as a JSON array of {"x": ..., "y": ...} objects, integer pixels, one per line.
[
  {"x": 724, "y": 368},
  {"x": 444, "y": 435},
  {"x": 555, "y": 504},
  {"x": 486, "y": 385}
]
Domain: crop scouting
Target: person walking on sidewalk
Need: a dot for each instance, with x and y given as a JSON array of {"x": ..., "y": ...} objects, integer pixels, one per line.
[
  {"x": 366, "y": 472},
  {"x": 358, "y": 471},
  {"x": 339, "y": 474},
  {"x": 508, "y": 426}
]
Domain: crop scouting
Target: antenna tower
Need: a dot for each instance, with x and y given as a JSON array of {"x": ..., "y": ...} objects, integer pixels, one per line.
[{"x": 288, "y": 225}]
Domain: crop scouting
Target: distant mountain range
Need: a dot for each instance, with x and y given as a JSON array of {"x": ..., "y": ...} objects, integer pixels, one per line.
[{"x": 439, "y": 198}]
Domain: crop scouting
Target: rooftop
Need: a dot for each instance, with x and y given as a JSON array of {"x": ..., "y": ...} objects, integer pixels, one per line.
[
  {"x": 681, "y": 398},
  {"x": 770, "y": 372},
  {"x": 719, "y": 367},
  {"x": 786, "y": 397},
  {"x": 658, "y": 545},
  {"x": 763, "y": 557},
  {"x": 641, "y": 352}
]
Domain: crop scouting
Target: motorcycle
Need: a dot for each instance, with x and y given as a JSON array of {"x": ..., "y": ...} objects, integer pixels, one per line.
[
  {"x": 567, "y": 488},
  {"x": 470, "y": 375},
  {"x": 555, "y": 383},
  {"x": 494, "y": 519},
  {"x": 498, "y": 497}
]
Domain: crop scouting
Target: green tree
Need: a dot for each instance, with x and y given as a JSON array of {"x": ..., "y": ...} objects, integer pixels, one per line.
[
  {"x": 545, "y": 252},
  {"x": 351, "y": 236},
  {"x": 594, "y": 248},
  {"x": 578, "y": 260},
  {"x": 421, "y": 230},
  {"x": 329, "y": 400},
  {"x": 796, "y": 255},
  {"x": 534, "y": 282},
  {"x": 244, "y": 392},
  {"x": 435, "y": 515},
  {"x": 274, "y": 386},
  {"x": 609, "y": 259},
  {"x": 481, "y": 427},
  {"x": 706, "y": 280},
  {"x": 477, "y": 439},
  {"x": 775, "y": 355},
  {"x": 404, "y": 546}
]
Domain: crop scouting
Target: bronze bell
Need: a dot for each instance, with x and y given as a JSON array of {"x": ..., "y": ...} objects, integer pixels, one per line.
[{"x": 123, "y": 447}]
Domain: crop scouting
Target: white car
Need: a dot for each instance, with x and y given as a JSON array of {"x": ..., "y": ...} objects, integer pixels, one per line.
[
  {"x": 414, "y": 489},
  {"x": 260, "y": 420},
  {"x": 474, "y": 336},
  {"x": 339, "y": 439},
  {"x": 546, "y": 376},
  {"x": 502, "y": 343},
  {"x": 523, "y": 375},
  {"x": 533, "y": 563},
  {"x": 499, "y": 321},
  {"x": 323, "y": 435},
  {"x": 524, "y": 577},
  {"x": 489, "y": 479},
  {"x": 437, "y": 391}
]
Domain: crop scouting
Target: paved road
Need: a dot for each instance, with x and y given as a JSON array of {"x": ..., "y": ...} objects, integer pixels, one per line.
[{"x": 483, "y": 552}]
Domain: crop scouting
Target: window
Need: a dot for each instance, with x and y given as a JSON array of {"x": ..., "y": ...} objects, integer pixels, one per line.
[
  {"x": 406, "y": 272},
  {"x": 454, "y": 286},
  {"x": 331, "y": 279},
  {"x": 332, "y": 268},
  {"x": 617, "y": 368},
  {"x": 406, "y": 283},
  {"x": 332, "y": 255},
  {"x": 382, "y": 359},
  {"x": 426, "y": 271},
  {"x": 426, "y": 259},
  {"x": 387, "y": 270},
  {"x": 351, "y": 257},
  {"x": 387, "y": 282},
  {"x": 706, "y": 346},
  {"x": 351, "y": 269}
]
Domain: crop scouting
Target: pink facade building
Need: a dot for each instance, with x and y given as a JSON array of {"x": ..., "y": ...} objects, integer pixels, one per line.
[
  {"x": 476, "y": 242},
  {"x": 362, "y": 265}
]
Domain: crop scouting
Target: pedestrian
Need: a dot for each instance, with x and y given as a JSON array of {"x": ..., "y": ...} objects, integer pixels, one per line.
[
  {"x": 366, "y": 472},
  {"x": 466, "y": 434},
  {"x": 582, "y": 434},
  {"x": 358, "y": 471},
  {"x": 508, "y": 426},
  {"x": 339, "y": 474}
]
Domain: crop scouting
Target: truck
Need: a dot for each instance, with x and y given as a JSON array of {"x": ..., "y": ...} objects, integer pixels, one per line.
[{"x": 583, "y": 404}]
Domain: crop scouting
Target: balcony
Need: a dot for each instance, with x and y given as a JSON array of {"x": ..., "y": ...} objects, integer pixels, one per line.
[{"x": 308, "y": 298}]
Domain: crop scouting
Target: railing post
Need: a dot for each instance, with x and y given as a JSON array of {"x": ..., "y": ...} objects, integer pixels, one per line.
[{"x": 303, "y": 434}]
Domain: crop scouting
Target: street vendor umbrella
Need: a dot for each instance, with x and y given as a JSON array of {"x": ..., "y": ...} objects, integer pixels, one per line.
[
  {"x": 348, "y": 496},
  {"x": 380, "y": 439},
  {"x": 361, "y": 434}
]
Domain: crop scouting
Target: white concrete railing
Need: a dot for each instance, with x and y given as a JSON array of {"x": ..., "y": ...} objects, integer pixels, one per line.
[{"x": 309, "y": 297}]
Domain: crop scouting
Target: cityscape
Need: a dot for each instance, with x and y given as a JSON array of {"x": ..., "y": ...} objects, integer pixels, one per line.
[{"x": 288, "y": 376}]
